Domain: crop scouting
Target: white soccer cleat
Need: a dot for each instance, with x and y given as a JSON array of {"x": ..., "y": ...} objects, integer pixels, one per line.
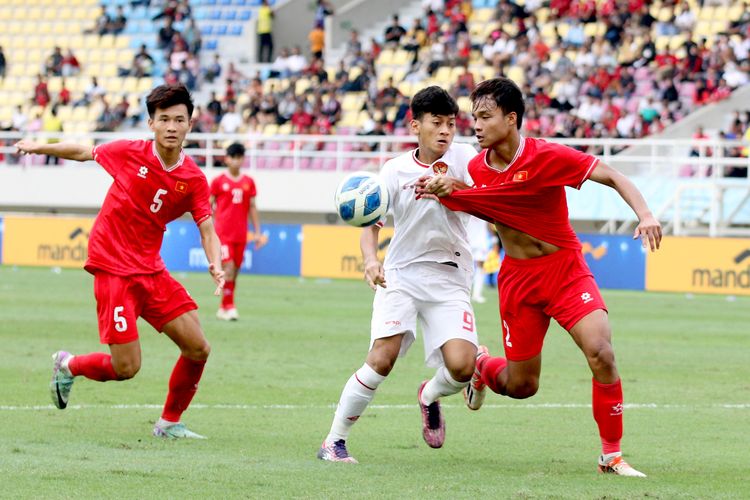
[
  {"x": 618, "y": 467},
  {"x": 175, "y": 431},
  {"x": 61, "y": 382},
  {"x": 232, "y": 314},
  {"x": 222, "y": 314}
]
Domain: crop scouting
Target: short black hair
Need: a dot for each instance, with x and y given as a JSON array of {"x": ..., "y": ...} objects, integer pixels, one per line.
[
  {"x": 433, "y": 100},
  {"x": 506, "y": 95},
  {"x": 235, "y": 150},
  {"x": 166, "y": 96}
]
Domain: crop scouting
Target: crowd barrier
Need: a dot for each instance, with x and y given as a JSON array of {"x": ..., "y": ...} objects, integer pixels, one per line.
[{"x": 699, "y": 265}]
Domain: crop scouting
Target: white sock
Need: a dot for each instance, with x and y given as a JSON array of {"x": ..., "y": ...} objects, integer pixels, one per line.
[
  {"x": 65, "y": 366},
  {"x": 442, "y": 384},
  {"x": 164, "y": 423},
  {"x": 478, "y": 286},
  {"x": 608, "y": 457},
  {"x": 357, "y": 394}
]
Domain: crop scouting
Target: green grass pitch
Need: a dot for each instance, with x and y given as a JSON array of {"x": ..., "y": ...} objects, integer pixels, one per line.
[{"x": 269, "y": 390}]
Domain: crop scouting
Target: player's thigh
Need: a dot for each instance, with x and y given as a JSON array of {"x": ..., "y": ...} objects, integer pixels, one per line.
[
  {"x": 452, "y": 320},
  {"x": 393, "y": 313},
  {"x": 167, "y": 300},
  {"x": 523, "y": 329},
  {"x": 117, "y": 307},
  {"x": 185, "y": 331}
]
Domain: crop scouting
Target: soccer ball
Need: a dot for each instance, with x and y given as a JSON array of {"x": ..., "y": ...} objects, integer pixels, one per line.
[{"x": 361, "y": 199}]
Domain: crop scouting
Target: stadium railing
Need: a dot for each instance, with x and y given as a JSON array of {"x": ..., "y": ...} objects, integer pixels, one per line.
[{"x": 693, "y": 186}]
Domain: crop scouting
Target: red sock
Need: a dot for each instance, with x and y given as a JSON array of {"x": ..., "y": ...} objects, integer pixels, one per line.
[
  {"x": 183, "y": 384},
  {"x": 227, "y": 299},
  {"x": 95, "y": 366},
  {"x": 606, "y": 402},
  {"x": 490, "y": 369}
]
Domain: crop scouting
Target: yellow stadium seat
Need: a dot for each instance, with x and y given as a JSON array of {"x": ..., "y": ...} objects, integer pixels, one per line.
[
  {"x": 348, "y": 119},
  {"x": 76, "y": 42},
  {"x": 271, "y": 129},
  {"x": 285, "y": 129},
  {"x": 399, "y": 74},
  {"x": 106, "y": 41},
  {"x": 354, "y": 73},
  {"x": 676, "y": 42},
  {"x": 122, "y": 42},
  {"x": 352, "y": 101},
  {"x": 707, "y": 13},
  {"x": 5, "y": 13},
  {"x": 385, "y": 57},
  {"x": 64, "y": 112},
  {"x": 443, "y": 76},
  {"x": 662, "y": 42},
  {"x": 54, "y": 83},
  {"x": 79, "y": 114},
  {"x": 130, "y": 84},
  {"x": 517, "y": 74},
  {"x": 464, "y": 104},
  {"x": 405, "y": 88},
  {"x": 481, "y": 15},
  {"x": 145, "y": 85},
  {"x": 401, "y": 57},
  {"x": 384, "y": 74},
  {"x": 735, "y": 12}
]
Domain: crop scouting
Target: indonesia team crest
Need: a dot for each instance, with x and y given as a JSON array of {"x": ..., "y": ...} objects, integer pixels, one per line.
[{"x": 440, "y": 168}]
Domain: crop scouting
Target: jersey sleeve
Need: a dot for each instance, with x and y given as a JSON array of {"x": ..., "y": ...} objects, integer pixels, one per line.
[
  {"x": 200, "y": 208},
  {"x": 572, "y": 167},
  {"x": 110, "y": 155},
  {"x": 389, "y": 178}
]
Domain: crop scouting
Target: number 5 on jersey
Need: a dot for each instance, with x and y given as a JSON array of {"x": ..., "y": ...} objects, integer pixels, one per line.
[
  {"x": 121, "y": 324},
  {"x": 156, "y": 205}
]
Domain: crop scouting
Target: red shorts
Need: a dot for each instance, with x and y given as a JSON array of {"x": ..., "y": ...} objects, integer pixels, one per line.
[
  {"x": 532, "y": 291},
  {"x": 233, "y": 252},
  {"x": 120, "y": 300}
]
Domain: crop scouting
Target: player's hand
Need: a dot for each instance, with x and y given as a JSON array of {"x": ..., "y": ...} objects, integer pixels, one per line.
[
  {"x": 26, "y": 147},
  {"x": 441, "y": 186},
  {"x": 420, "y": 188},
  {"x": 375, "y": 275},
  {"x": 217, "y": 273},
  {"x": 649, "y": 231},
  {"x": 260, "y": 241}
]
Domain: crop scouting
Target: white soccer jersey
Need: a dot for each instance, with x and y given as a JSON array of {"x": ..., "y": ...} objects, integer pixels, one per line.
[{"x": 424, "y": 230}]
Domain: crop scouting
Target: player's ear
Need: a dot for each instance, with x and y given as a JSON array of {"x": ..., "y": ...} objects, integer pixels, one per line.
[
  {"x": 414, "y": 125},
  {"x": 151, "y": 124}
]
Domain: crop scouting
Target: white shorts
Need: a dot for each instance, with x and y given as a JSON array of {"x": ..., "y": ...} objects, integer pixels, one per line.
[{"x": 438, "y": 295}]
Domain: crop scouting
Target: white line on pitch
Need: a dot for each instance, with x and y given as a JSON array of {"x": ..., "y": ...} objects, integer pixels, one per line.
[{"x": 533, "y": 406}]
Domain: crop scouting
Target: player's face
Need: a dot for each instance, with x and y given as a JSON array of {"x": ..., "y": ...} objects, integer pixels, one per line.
[
  {"x": 234, "y": 163},
  {"x": 435, "y": 132},
  {"x": 491, "y": 125},
  {"x": 170, "y": 126}
]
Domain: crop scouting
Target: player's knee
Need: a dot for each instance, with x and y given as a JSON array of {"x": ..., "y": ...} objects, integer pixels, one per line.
[
  {"x": 199, "y": 352},
  {"x": 602, "y": 356},
  {"x": 523, "y": 389},
  {"x": 462, "y": 372},
  {"x": 382, "y": 360},
  {"x": 126, "y": 371}
]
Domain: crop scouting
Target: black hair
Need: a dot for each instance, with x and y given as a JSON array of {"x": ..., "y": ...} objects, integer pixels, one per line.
[
  {"x": 433, "y": 100},
  {"x": 166, "y": 96},
  {"x": 235, "y": 150},
  {"x": 506, "y": 95}
]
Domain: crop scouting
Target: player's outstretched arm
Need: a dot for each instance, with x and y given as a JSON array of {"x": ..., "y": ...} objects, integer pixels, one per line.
[
  {"x": 439, "y": 185},
  {"x": 368, "y": 243},
  {"x": 212, "y": 247},
  {"x": 648, "y": 229},
  {"x": 65, "y": 150}
]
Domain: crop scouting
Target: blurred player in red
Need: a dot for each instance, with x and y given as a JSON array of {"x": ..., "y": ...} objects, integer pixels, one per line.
[
  {"x": 233, "y": 195},
  {"x": 519, "y": 184},
  {"x": 154, "y": 184}
]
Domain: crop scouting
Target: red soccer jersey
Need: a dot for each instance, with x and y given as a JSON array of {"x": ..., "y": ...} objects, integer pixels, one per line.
[
  {"x": 233, "y": 197},
  {"x": 144, "y": 197},
  {"x": 529, "y": 194}
]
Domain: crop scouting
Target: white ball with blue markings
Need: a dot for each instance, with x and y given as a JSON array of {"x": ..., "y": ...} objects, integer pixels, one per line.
[{"x": 361, "y": 199}]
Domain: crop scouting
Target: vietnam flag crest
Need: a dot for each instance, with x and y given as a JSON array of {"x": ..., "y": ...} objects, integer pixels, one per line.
[
  {"x": 520, "y": 176},
  {"x": 181, "y": 187}
]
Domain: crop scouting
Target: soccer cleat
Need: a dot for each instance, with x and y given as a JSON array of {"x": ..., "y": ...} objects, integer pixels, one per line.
[
  {"x": 618, "y": 467},
  {"x": 336, "y": 452},
  {"x": 476, "y": 390},
  {"x": 433, "y": 423},
  {"x": 175, "y": 431},
  {"x": 232, "y": 314},
  {"x": 61, "y": 383},
  {"x": 222, "y": 314}
]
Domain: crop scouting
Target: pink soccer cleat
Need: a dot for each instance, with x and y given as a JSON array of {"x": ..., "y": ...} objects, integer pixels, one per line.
[
  {"x": 433, "y": 423},
  {"x": 336, "y": 452}
]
